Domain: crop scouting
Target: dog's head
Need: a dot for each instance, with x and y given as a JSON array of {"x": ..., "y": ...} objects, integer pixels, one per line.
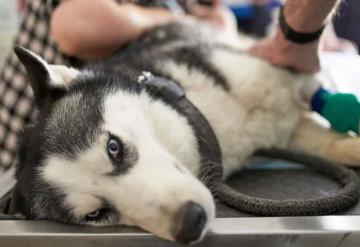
[{"x": 103, "y": 152}]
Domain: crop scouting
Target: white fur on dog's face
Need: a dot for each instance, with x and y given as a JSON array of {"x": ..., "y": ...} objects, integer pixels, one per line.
[{"x": 159, "y": 148}]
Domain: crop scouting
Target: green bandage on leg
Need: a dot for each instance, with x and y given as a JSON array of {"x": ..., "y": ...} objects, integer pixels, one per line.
[{"x": 341, "y": 110}]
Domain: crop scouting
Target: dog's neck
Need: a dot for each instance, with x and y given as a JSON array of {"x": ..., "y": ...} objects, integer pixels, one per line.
[{"x": 208, "y": 145}]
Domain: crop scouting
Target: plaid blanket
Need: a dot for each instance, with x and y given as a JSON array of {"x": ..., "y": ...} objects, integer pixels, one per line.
[{"x": 16, "y": 100}]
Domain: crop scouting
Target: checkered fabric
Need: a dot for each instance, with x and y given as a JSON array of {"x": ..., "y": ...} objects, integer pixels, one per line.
[{"x": 16, "y": 100}]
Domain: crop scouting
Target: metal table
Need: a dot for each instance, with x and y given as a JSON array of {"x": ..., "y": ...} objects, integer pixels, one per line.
[{"x": 231, "y": 228}]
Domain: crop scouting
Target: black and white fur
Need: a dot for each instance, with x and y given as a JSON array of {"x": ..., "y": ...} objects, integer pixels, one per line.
[{"x": 68, "y": 170}]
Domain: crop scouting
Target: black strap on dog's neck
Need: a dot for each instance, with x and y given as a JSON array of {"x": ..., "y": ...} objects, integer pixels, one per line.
[
  {"x": 174, "y": 95},
  {"x": 211, "y": 172}
]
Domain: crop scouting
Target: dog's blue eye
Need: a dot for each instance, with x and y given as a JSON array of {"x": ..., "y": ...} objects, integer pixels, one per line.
[
  {"x": 99, "y": 214},
  {"x": 114, "y": 148},
  {"x": 95, "y": 215}
]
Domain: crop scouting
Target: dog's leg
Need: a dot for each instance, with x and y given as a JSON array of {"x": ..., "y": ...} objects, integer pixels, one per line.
[{"x": 313, "y": 138}]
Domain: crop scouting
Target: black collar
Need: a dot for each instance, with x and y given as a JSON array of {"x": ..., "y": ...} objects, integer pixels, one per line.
[{"x": 208, "y": 145}]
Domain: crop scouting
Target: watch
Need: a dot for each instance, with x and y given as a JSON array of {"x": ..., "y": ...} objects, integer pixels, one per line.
[{"x": 295, "y": 36}]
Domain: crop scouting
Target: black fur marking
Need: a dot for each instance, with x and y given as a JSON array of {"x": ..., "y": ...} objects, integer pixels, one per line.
[
  {"x": 37, "y": 72},
  {"x": 65, "y": 126},
  {"x": 39, "y": 78},
  {"x": 143, "y": 54},
  {"x": 84, "y": 110},
  {"x": 194, "y": 57}
]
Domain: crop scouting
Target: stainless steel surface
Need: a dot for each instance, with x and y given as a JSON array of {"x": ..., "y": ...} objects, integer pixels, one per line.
[
  {"x": 240, "y": 230},
  {"x": 327, "y": 231}
]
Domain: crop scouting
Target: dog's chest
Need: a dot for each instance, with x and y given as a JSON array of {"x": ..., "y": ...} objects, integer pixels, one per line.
[{"x": 257, "y": 111}]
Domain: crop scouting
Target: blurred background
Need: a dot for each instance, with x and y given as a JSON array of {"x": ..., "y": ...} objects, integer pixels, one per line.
[
  {"x": 255, "y": 17},
  {"x": 9, "y": 19}
]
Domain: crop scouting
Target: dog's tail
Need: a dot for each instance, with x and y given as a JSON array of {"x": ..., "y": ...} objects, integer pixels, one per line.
[{"x": 347, "y": 197}]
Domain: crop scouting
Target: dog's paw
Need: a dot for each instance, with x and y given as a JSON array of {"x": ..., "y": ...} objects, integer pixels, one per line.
[{"x": 345, "y": 151}]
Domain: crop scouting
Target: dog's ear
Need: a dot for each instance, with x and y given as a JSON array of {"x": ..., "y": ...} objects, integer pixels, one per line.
[{"x": 46, "y": 80}]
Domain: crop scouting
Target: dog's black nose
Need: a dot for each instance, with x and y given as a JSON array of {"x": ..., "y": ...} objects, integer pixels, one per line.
[{"x": 193, "y": 219}]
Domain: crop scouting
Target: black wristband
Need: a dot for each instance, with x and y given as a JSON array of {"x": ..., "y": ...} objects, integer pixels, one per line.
[{"x": 297, "y": 37}]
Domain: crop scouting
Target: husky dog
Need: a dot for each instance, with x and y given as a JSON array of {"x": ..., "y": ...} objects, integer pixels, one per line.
[{"x": 103, "y": 151}]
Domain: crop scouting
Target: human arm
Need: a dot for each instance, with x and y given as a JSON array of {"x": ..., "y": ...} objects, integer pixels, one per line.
[
  {"x": 304, "y": 16},
  {"x": 90, "y": 29}
]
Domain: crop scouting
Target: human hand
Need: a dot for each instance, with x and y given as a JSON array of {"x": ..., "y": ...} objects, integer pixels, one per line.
[{"x": 279, "y": 51}]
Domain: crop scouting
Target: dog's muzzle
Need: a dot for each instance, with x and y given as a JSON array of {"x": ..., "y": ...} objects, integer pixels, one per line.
[{"x": 193, "y": 220}]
